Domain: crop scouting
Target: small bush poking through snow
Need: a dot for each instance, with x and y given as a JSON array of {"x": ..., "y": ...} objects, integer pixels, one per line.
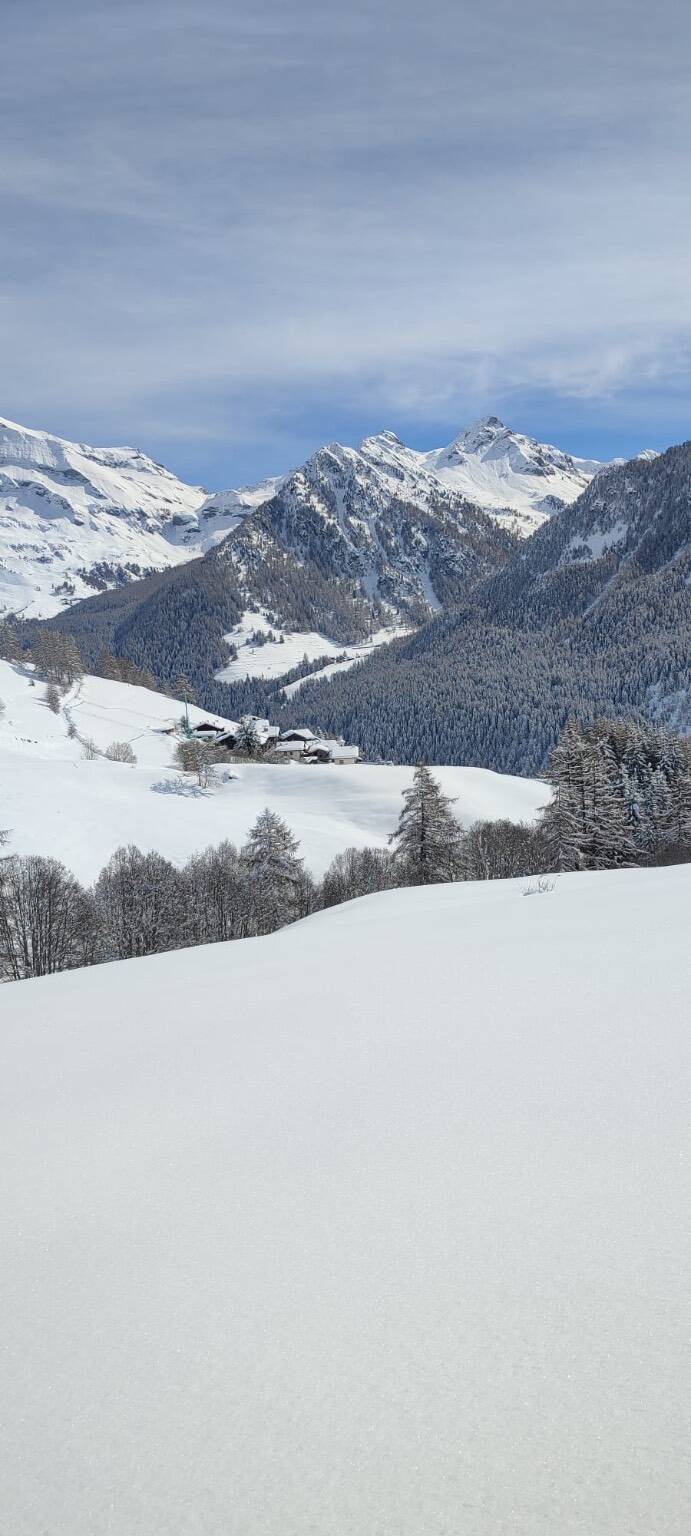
[
  {"x": 53, "y": 698},
  {"x": 89, "y": 749},
  {"x": 121, "y": 752}
]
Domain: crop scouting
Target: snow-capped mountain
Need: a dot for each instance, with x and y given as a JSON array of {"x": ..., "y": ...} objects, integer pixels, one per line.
[
  {"x": 633, "y": 522},
  {"x": 402, "y": 523},
  {"x": 509, "y": 474},
  {"x": 75, "y": 520},
  {"x": 376, "y": 517}
]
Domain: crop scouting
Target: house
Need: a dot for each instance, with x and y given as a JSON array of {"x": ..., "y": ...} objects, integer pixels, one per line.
[
  {"x": 331, "y": 752},
  {"x": 293, "y": 750},
  {"x": 338, "y": 753},
  {"x": 304, "y": 737},
  {"x": 212, "y": 731}
]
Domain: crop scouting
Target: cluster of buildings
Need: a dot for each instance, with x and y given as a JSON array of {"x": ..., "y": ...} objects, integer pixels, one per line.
[{"x": 299, "y": 746}]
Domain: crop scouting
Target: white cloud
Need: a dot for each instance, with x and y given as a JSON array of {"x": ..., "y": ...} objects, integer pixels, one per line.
[{"x": 404, "y": 206}]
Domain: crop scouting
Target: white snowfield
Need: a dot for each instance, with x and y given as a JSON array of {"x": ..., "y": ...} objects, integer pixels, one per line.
[
  {"x": 54, "y": 802},
  {"x": 376, "y": 1227}
]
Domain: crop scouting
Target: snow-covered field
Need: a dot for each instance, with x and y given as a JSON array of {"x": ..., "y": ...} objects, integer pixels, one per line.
[
  {"x": 276, "y": 657},
  {"x": 376, "y": 1227},
  {"x": 56, "y": 803}
]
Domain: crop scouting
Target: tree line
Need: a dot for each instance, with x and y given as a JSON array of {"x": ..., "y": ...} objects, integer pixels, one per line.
[{"x": 621, "y": 798}]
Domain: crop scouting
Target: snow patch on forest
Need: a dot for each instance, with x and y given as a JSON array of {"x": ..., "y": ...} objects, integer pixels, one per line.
[{"x": 276, "y": 656}]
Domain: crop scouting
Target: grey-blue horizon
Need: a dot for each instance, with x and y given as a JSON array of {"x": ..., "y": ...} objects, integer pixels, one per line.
[{"x": 231, "y": 232}]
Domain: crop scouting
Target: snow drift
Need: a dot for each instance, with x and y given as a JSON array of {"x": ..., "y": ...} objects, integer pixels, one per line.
[{"x": 378, "y": 1225}]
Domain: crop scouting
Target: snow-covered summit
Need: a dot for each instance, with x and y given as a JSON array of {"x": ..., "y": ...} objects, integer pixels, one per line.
[
  {"x": 505, "y": 471},
  {"x": 75, "y": 519}
]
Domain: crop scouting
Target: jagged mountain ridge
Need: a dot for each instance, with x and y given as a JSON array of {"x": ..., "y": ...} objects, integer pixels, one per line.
[
  {"x": 592, "y": 616},
  {"x": 357, "y": 516},
  {"x": 76, "y": 519},
  {"x": 633, "y": 521}
]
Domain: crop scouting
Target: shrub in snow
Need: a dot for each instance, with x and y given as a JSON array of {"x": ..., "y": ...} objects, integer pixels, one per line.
[
  {"x": 187, "y": 788},
  {"x": 53, "y": 698},
  {"x": 89, "y": 748},
  {"x": 120, "y": 752}
]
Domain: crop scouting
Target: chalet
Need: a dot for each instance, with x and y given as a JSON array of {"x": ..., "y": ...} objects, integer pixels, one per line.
[
  {"x": 294, "y": 751},
  {"x": 213, "y": 731},
  {"x": 331, "y": 752},
  {"x": 301, "y": 737}
]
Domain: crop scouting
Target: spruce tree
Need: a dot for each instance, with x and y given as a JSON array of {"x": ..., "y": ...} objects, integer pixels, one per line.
[
  {"x": 427, "y": 840},
  {"x": 276, "y": 875}
]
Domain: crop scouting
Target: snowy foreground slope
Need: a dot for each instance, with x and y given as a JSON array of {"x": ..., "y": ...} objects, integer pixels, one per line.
[
  {"x": 54, "y": 802},
  {"x": 376, "y": 1227}
]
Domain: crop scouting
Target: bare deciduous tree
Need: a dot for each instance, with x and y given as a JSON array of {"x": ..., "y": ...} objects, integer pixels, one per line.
[{"x": 46, "y": 919}]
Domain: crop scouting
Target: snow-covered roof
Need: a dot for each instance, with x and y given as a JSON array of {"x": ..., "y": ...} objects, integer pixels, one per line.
[
  {"x": 347, "y": 754},
  {"x": 302, "y": 734}
]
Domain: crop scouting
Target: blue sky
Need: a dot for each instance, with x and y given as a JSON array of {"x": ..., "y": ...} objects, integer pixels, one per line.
[{"x": 233, "y": 231}]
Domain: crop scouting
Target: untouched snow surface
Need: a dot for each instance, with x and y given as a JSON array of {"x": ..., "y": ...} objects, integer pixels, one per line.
[
  {"x": 376, "y": 1227},
  {"x": 54, "y": 802}
]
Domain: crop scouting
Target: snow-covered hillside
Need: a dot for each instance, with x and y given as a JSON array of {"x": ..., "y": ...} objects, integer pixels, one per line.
[
  {"x": 379, "y": 1225},
  {"x": 283, "y": 650},
  {"x": 55, "y": 802},
  {"x": 75, "y": 520}
]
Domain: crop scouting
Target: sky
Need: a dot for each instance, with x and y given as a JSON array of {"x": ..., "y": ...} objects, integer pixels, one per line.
[{"x": 233, "y": 230}]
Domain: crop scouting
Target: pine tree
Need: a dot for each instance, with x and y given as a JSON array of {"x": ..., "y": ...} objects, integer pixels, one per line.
[
  {"x": 427, "y": 841},
  {"x": 247, "y": 739},
  {"x": 276, "y": 875}
]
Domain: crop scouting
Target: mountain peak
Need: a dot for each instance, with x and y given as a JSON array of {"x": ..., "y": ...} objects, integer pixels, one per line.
[
  {"x": 385, "y": 439},
  {"x": 480, "y": 434}
]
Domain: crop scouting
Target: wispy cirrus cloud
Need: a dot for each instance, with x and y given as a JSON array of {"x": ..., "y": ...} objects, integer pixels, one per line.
[{"x": 224, "y": 225}]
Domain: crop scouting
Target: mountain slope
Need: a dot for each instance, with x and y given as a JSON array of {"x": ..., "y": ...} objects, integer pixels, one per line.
[
  {"x": 349, "y": 1229},
  {"x": 56, "y": 803},
  {"x": 502, "y": 470},
  {"x": 404, "y": 524},
  {"x": 632, "y": 522},
  {"x": 75, "y": 519},
  {"x": 592, "y": 616},
  {"x": 408, "y": 543}
]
